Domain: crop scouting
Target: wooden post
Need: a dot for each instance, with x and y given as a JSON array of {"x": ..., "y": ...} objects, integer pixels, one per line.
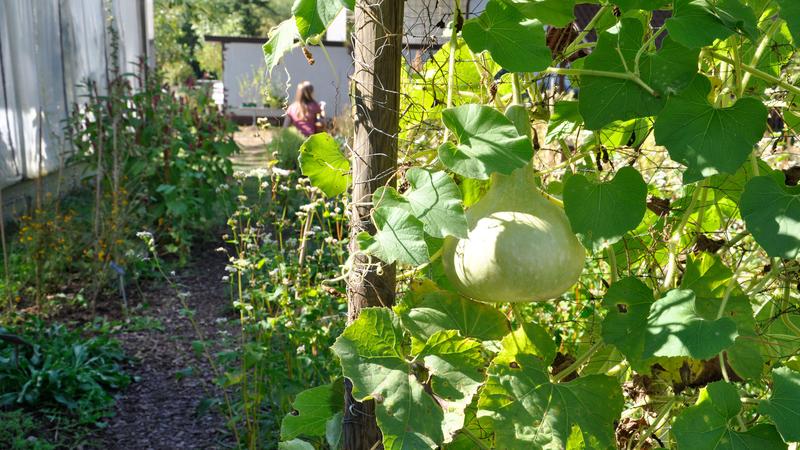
[{"x": 377, "y": 41}]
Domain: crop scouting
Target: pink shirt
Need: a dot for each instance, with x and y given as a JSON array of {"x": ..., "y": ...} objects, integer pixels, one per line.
[{"x": 307, "y": 125}]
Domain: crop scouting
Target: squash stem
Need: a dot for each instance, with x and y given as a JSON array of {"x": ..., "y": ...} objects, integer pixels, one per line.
[
  {"x": 612, "y": 263},
  {"x": 578, "y": 362}
]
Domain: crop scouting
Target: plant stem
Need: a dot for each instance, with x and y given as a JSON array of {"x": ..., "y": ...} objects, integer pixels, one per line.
[
  {"x": 478, "y": 443},
  {"x": 515, "y": 89},
  {"x": 644, "y": 48},
  {"x": 629, "y": 76},
  {"x": 582, "y": 359},
  {"x": 656, "y": 422},
  {"x": 451, "y": 64},
  {"x": 572, "y": 47},
  {"x": 759, "y": 74},
  {"x": 762, "y": 46},
  {"x": 612, "y": 262},
  {"x": 675, "y": 240}
]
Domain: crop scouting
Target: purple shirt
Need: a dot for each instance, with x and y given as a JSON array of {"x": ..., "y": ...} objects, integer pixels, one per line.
[{"x": 306, "y": 125}]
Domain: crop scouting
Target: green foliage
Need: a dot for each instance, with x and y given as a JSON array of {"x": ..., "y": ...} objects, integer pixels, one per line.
[
  {"x": 515, "y": 42},
  {"x": 323, "y": 163},
  {"x": 689, "y": 299},
  {"x": 285, "y": 146},
  {"x": 706, "y": 425},
  {"x": 18, "y": 431},
  {"x": 601, "y": 214},
  {"x": 487, "y": 142},
  {"x": 58, "y": 367},
  {"x": 707, "y": 139}
]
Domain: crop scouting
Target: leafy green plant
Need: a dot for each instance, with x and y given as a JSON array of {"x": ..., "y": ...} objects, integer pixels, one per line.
[
  {"x": 45, "y": 366},
  {"x": 683, "y": 328},
  {"x": 284, "y": 146},
  {"x": 17, "y": 431}
]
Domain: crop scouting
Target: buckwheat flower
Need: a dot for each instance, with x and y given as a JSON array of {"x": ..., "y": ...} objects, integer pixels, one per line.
[
  {"x": 220, "y": 250},
  {"x": 226, "y": 278},
  {"x": 281, "y": 172}
]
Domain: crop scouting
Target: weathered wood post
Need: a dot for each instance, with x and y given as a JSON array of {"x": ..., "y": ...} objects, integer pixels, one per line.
[{"x": 377, "y": 40}]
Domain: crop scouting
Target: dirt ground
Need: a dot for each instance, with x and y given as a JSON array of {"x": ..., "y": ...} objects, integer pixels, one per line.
[
  {"x": 253, "y": 144},
  {"x": 162, "y": 408}
]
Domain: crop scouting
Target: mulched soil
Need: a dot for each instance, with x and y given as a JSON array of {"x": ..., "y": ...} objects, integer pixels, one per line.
[{"x": 159, "y": 410}]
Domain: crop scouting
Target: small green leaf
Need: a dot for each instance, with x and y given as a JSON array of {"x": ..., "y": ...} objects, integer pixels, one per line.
[
  {"x": 488, "y": 142},
  {"x": 605, "y": 99},
  {"x": 558, "y": 13},
  {"x": 697, "y": 23},
  {"x": 372, "y": 357},
  {"x": 675, "y": 328},
  {"x": 442, "y": 310},
  {"x": 709, "y": 140},
  {"x": 707, "y": 424},
  {"x": 564, "y": 121},
  {"x": 400, "y": 237},
  {"x": 772, "y": 215},
  {"x": 314, "y": 16},
  {"x": 515, "y": 42},
  {"x": 528, "y": 411},
  {"x": 281, "y": 41},
  {"x": 600, "y": 214},
  {"x": 790, "y": 12},
  {"x": 323, "y": 163},
  {"x": 435, "y": 200},
  {"x": 783, "y": 405},
  {"x": 628, "y": 302},
  {"x": 312, "y": 409}
]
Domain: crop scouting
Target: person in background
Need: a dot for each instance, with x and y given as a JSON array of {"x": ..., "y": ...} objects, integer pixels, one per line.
[{"x": 305, "y": 113}]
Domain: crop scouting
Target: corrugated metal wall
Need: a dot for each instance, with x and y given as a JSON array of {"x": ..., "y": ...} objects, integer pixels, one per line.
[{"x": 48, "y": 48}]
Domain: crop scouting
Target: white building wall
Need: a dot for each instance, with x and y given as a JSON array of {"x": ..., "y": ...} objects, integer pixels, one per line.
[{"x": 47, "y": 49}]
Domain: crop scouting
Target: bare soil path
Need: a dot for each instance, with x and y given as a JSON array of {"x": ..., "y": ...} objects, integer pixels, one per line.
[{"x": 161, "y": 409}]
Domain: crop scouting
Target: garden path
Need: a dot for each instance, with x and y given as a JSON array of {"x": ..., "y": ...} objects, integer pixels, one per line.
[{"x": 164, "y": 408}]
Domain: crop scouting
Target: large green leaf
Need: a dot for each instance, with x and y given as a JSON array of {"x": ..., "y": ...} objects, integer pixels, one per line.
[
  {"x": 314, "y": 16},
  {"x": 529, "y": 411},
  {"x": 435, "y": 311},
  {"x": 600, "y": 214},
  {"x": 707, "y": 424},
  {"x": 605, "y": 99},
  {"x": 558, "y": 13},
  {"x": 790, "y": 12},
  {"x": 452, "y": 361},
  {"x": 772, "y": 214},
  {"x": 709, "y": 140},
  {"x": 697, "y": 23},
  {"x": 372, "y": 356},
  {"x": 295, "y": 444},
  {"x": 281, "y": 41},
  {"x": 436, "y": 201},
  {"x": 675, "y": 328},
  {"x": 487, "y": 142},
  {"x": 324, "y": 164},
  {"x": 708, "y": 278},
  {"x": 783, "y": 406},
  {"x": 312, "y": 409},
  {"x": 515, "y": 42},
  {"x": 647, "y": 5},
  {"x": 400, "y": 237},
  {"x": 628, "y": 302}
]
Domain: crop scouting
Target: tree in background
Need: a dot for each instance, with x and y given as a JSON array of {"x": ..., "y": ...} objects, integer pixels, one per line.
[{"x": 181, "y": 51}]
